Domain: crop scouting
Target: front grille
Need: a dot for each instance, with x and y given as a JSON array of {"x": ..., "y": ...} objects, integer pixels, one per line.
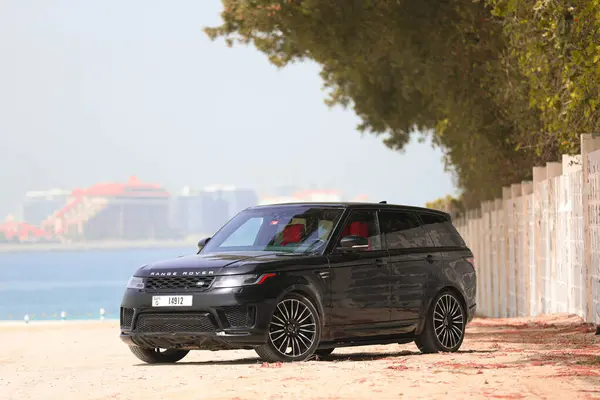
[
  {"x": 173, "y": 323},
  {"x": 195, "y": 283},
  {"x": 126, "y": 317}
]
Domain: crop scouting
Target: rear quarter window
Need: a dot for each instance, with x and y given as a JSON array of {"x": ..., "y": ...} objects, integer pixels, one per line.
[
  {"x": 402, "y": 230},
  {"x": 441, "y": 230}
]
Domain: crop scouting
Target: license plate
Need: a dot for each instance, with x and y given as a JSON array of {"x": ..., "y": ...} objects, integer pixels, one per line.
[{"x": 171, "y": 301}]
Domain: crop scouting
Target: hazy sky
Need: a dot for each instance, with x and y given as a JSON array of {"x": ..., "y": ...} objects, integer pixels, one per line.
[{"x": 100, "y": 90}]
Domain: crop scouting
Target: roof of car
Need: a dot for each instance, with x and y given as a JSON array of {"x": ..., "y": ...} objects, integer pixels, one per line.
[{"x": 349, "y": 204}]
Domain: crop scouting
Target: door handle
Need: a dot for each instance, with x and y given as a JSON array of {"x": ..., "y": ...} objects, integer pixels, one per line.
[
  {"x": 381, "y": 263},
  {"x": 429, "y": 258}
]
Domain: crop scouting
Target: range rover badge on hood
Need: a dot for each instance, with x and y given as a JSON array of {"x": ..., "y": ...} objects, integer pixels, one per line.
[{"x": 176, "y": 273}]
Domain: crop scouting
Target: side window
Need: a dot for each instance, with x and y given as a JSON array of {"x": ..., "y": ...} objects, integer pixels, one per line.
[
  {"x": 402, "y": 230},
  {"x": 245, "y": 235},
  {"x": 365, "y": 224},
  {"x": 441, "y": 230}
]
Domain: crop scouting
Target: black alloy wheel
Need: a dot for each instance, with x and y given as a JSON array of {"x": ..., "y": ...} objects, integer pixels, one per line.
[
  {"x": 294, "y": 331},
  {"x": 444, "y": 328}
]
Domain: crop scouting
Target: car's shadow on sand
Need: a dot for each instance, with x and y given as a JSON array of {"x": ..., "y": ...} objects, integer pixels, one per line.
[{"x": 348, "y": 357}]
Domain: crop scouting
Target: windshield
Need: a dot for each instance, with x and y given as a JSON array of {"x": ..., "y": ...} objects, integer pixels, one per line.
[{"x": 290, "y": 229}]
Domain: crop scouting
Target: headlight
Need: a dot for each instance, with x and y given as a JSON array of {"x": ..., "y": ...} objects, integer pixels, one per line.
[
  {"x": 240, "y": 280},
  {"x": 135, "y": 282}
]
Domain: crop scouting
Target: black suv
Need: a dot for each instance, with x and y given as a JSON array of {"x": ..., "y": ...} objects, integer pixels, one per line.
[{"x": 294, "y": 280}]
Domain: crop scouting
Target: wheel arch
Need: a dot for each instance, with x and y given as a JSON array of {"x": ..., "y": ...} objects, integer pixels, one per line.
[
  {"x": 310, "y": 293},
  {"x": 448, "y": 288}
]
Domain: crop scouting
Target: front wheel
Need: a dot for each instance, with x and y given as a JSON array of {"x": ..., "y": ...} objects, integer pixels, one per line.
[
  {"x": 158, "y": 356},
  {"x": 444, "y": 328},
  {"x": 294, "y": 331}
]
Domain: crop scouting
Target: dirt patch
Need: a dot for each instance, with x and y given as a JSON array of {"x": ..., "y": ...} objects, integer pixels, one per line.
[{"x": 554, "y": 357}]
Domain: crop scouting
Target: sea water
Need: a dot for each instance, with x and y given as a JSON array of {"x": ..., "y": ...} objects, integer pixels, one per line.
[{"x": 78, "y": 284}]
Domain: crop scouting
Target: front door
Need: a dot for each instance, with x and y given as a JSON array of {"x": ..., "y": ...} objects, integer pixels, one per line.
[
  {"x": 360, "y": 279},
  {"x": 411, "y": 263}
]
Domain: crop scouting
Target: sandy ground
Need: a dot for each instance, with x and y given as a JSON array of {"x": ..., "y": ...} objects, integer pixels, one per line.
[{"x": 551, "y": 358}]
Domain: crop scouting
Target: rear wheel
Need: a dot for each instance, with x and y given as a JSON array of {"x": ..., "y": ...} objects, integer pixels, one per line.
[
  {"x": 444, "y": 328},
  {"x": 294, "y": 331},
  {"x": 158, "y": 356}
]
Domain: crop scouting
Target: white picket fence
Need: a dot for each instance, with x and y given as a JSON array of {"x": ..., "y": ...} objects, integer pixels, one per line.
[{"x": 537, "y": 250}]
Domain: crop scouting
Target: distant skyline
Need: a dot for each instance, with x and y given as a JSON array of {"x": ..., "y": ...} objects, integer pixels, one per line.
[{"x": 100, "y": 91}]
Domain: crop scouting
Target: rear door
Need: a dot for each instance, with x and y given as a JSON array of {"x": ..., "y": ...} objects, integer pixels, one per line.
[
  {"x": 412, "y": 258},
  {"x": 454, "y": 253}
]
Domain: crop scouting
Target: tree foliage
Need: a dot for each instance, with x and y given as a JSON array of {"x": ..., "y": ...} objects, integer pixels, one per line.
[
  {"x": 449, "y": 204},
  {"x": 499, "y": 85}
]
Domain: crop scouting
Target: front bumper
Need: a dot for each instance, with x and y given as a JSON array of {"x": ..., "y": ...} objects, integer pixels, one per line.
[{"x": 228, "y": 318}]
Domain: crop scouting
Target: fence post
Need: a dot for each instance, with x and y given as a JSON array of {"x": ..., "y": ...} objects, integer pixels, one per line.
[
  {"x": 527, "y": 190},
  {"x": 539, "y": 175},
  {"x": 489, "y": 258},
  {"x": 505, "y": 265},
  {"x": 589, "y": 143},
  {"x": 553, "y": 170},
  {"x": 498, "y": 259},
  {"x": 480, "y": 261},
  {"x": 516, "y": 192}
]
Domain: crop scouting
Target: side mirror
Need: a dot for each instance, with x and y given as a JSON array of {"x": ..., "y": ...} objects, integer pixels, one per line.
[
  {"x": 353, "y": 243},
  {"x": 202, "y": 243}
]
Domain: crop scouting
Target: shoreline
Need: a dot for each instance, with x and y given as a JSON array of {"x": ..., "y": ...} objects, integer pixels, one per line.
[{"x": 99, "y": 245}]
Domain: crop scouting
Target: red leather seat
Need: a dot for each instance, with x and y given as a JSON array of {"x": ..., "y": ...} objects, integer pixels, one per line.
[
  {"x": 357, "y": 228},
  {"x": 346, "y": 231},
  {"x": 292, "y": 234}
]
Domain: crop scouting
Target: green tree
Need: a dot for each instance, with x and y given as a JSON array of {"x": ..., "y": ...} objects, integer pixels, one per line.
[
  {"x": 448, "y": 204},
  {"x": 470, "y": 74},
  {"x": 556, "y": 47}
]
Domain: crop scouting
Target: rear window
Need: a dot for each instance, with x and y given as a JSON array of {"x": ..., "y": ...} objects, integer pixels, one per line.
[{"x": 442, "y": 231}]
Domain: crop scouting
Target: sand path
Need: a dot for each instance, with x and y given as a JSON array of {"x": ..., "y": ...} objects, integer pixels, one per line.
[{"x": 556, "y": 358}]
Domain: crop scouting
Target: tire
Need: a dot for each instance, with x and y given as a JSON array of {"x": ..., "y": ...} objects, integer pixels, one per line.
[
  {"x": 445, "y": 323},
  {"x": 294, "y": 331},
  {"x": 322, "y": 353},
  {"x": 155, "y": 356}
]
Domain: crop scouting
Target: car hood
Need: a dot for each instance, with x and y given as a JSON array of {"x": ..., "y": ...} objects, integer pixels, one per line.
[{"x": 218, "y": 264}]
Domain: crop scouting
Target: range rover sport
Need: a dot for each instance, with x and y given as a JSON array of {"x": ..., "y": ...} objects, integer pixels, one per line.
[{"x": 296, "y": 280}]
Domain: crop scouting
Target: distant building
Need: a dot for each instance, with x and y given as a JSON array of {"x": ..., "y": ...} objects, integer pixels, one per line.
[
  {"x": 13, "y": 230},
  {"x": 304, "y": 196},
  {"x": 113, "y": 211},
  {"x": 324, "y": 196},
  {"x": 188, "y": 215},
  {"x": 361, "y": 198},
  {"x": 204, "y": 211},
  {"x": 277, "y": 200},
  {"x": 38, "y": 205},
  {"x": 237, "y": 199}
]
